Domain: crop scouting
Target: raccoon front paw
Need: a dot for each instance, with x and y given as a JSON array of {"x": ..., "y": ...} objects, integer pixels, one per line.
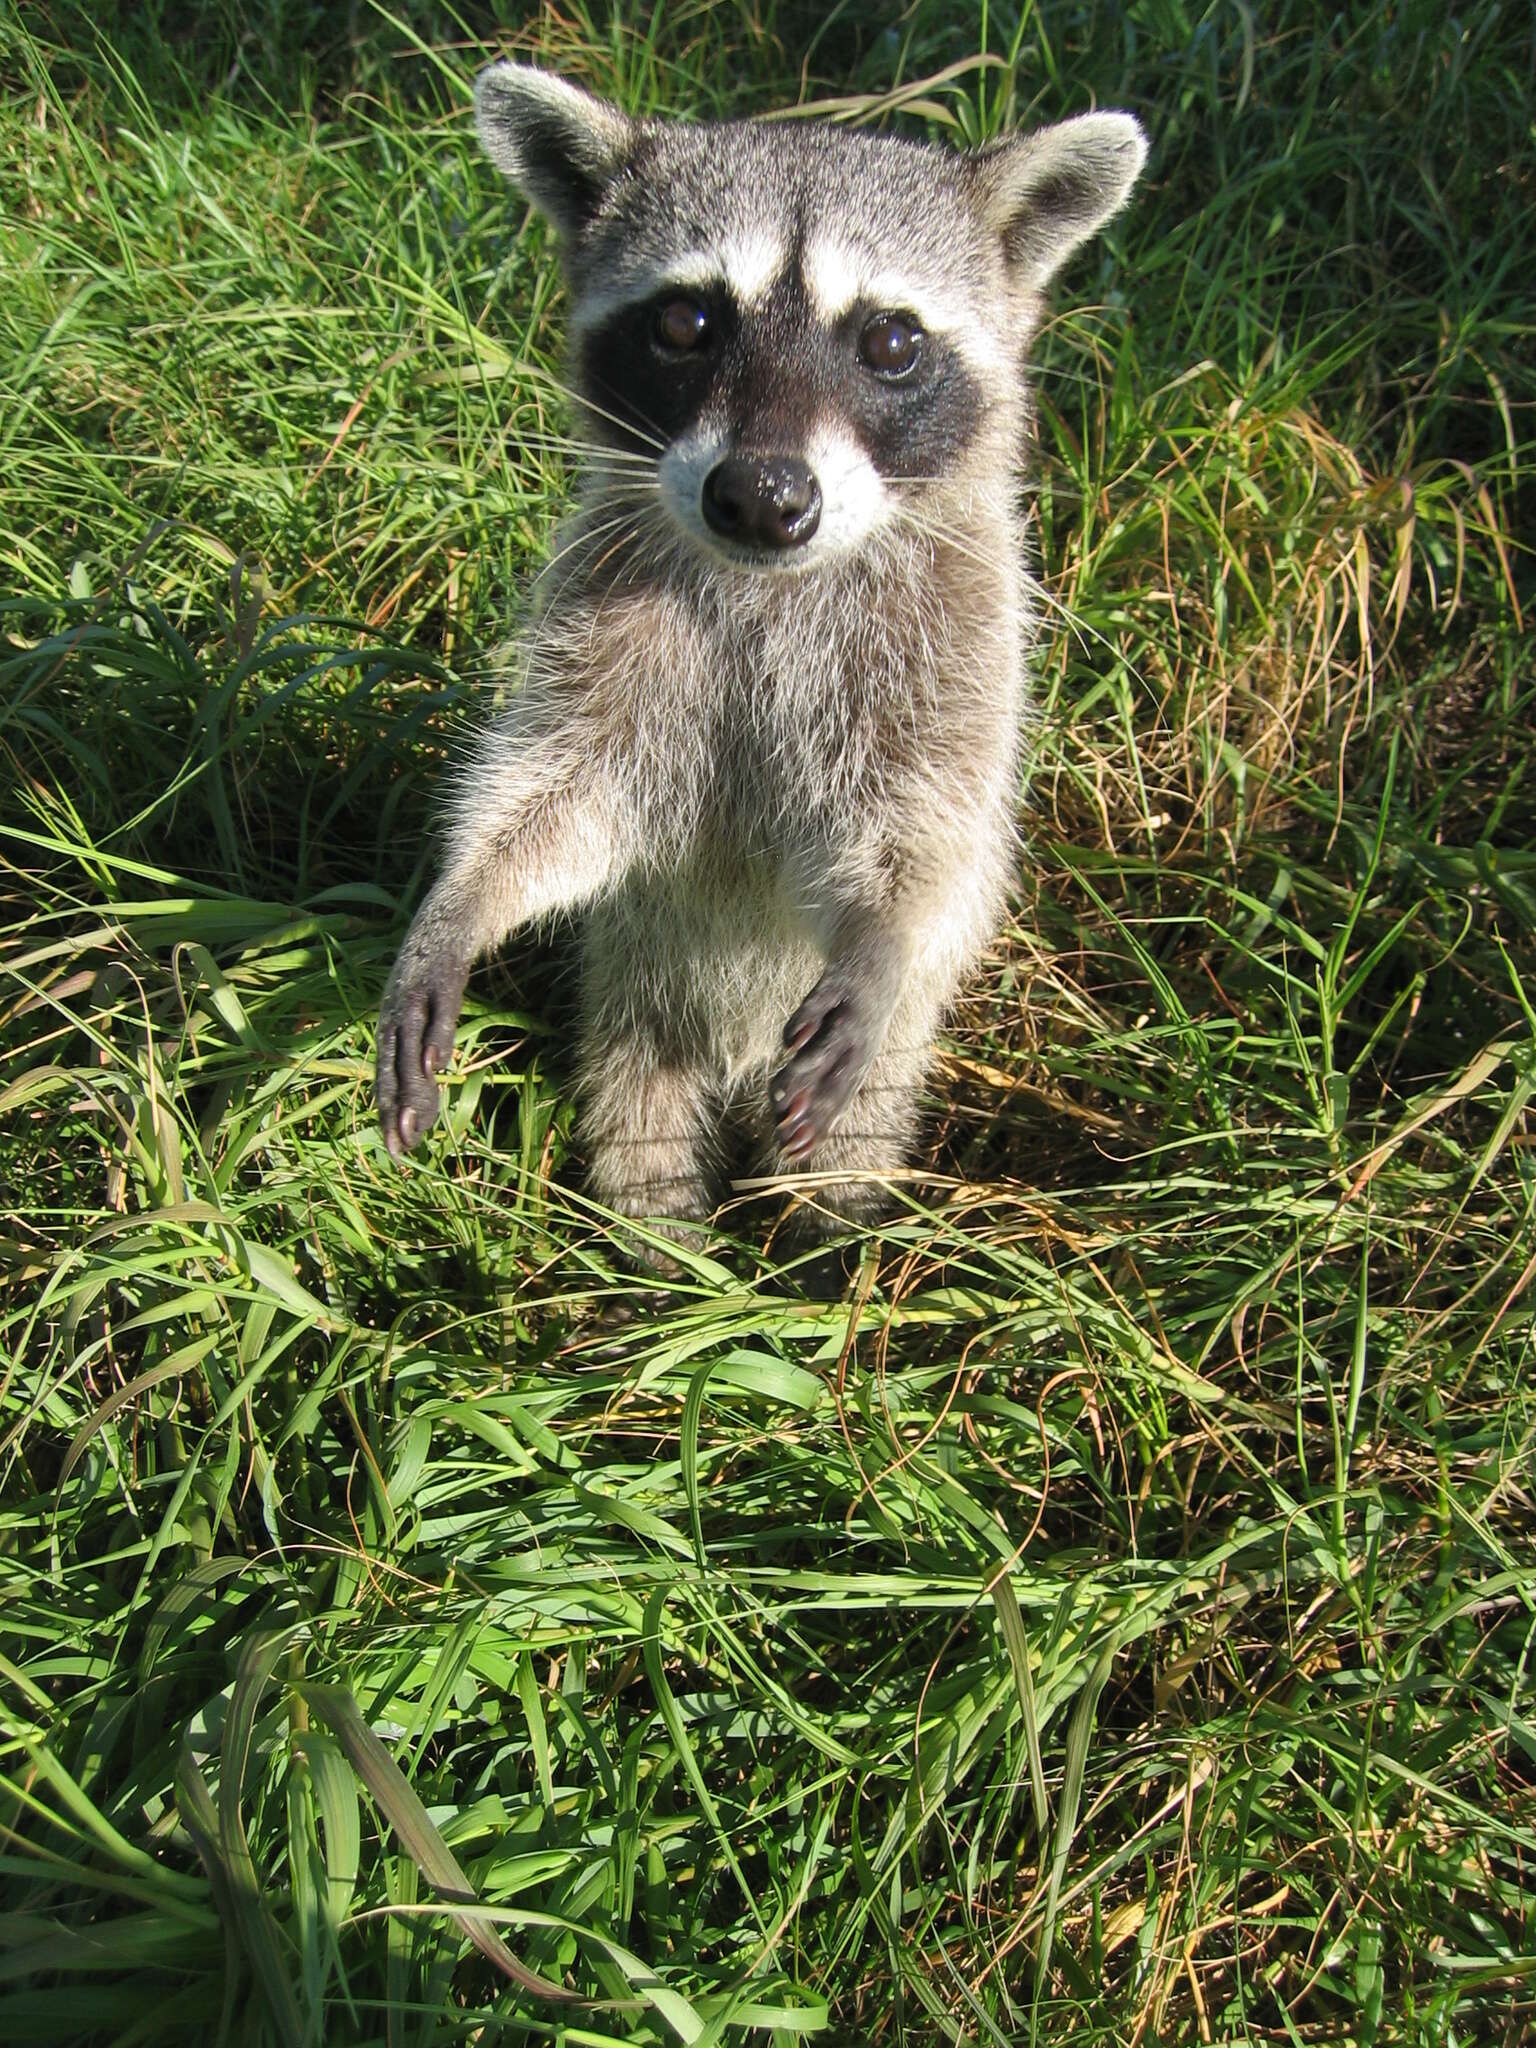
[
  {"x": 830, "y": 1042},
  {"x": 416, "y": 1026}
]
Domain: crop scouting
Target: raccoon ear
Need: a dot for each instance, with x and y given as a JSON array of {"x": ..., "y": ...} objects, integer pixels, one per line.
[
  {"x": 1046, "y": 193},
  {"x": 561, "y": 146}
]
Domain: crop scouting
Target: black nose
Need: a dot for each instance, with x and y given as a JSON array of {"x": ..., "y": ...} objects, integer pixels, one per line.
[{"x": 763, "y": 501}]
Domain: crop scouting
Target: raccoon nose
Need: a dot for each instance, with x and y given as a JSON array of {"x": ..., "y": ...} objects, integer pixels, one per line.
[{"x": 764, "y": 501}]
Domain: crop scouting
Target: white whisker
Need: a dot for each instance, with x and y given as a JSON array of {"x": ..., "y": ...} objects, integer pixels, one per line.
[{"x": 584, "y": 401}]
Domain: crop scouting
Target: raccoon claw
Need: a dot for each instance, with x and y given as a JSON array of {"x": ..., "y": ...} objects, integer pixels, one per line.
[
  {"x": 828, "y": 1039},
  {"x": 416, "y": 1027}
]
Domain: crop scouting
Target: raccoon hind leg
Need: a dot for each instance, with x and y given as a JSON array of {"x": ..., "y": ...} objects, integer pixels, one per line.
[
  {"x": 651, "y": 1127},
  {"x": 651, "y": 1106}
]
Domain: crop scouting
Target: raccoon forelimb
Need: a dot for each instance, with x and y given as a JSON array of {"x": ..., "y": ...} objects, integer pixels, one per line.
[
  {"x": 513, "y": 862},
  {"x": 833, "y": 1037},
  {"x": 831, "y": 1041}
]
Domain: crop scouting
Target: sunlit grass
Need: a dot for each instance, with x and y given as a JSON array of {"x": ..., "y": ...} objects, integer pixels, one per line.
[{"x": 1113, "y": 1622}]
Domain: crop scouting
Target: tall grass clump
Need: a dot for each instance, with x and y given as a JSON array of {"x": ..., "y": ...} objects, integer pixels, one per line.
[{"x": 1114, "y": 1621}]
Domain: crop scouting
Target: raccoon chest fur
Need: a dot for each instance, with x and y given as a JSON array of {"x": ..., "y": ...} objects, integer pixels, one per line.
[{"x": 767, "y": 738}]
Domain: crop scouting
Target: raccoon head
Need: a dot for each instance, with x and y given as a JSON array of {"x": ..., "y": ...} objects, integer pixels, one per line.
[{"x": 791, "y": 337}]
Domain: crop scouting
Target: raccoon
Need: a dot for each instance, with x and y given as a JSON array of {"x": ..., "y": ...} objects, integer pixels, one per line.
[{"x": 765, "y": 726}]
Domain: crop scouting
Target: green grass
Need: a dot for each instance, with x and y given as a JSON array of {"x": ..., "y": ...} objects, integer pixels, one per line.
[{"x": 1116, "y": 1621}]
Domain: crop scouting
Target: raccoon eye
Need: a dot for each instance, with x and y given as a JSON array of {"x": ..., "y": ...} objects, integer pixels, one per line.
[
  {"x": 890, "y": 344},
  {"x": 681, "y": 325}
]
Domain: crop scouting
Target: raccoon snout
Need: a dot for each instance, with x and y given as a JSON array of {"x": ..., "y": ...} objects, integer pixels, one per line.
[{"x": 762, "y": 501}]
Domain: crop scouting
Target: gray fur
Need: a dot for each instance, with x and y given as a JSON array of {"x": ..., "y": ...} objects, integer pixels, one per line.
[{"x": 782, "y": 791}]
